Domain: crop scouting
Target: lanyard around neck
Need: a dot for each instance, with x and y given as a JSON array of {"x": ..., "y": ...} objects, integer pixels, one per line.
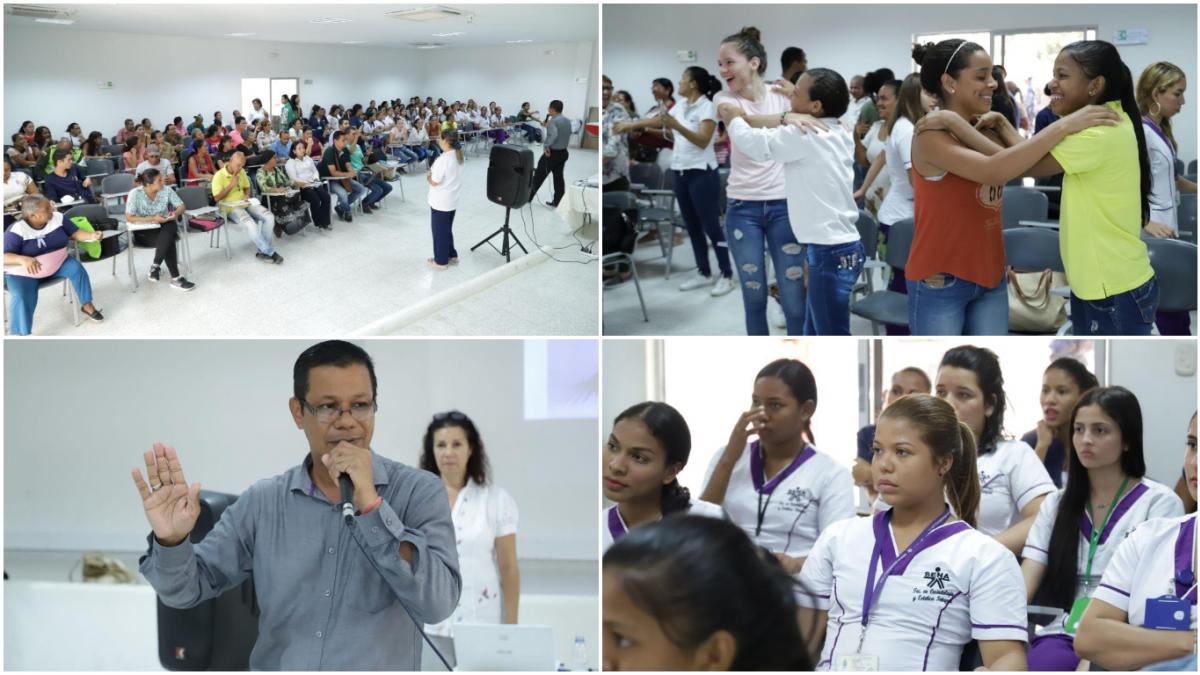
[{"x": 1094, "y": 540}]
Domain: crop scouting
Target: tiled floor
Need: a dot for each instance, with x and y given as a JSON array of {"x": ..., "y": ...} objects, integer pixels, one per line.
[{"x": 335, "y": 283}]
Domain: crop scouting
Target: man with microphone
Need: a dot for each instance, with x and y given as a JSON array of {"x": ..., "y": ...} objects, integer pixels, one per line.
[{"x": 343, "y": 573}]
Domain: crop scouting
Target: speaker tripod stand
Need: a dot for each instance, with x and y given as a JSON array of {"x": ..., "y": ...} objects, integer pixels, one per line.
[{"x": 505, "y": 249}]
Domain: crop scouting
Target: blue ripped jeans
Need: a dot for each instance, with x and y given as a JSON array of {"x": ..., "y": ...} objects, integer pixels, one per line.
[
  {"x": 751, "y": 227},
  {"x": 1128, "y": 313},
  {"x": 832, "y": 271}
]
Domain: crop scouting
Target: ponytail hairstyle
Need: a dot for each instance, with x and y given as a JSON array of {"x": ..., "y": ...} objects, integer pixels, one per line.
[
  {"x": 1156, "y": 78},
  {"x": 946, "y": 436},
  {"x": 800, "y": 380},
  {"x": 668, "y": 570},
  {"x": 908, "y": 103},
  {"x": 748, "y": 42},
  {"x": 668, "y": 427},
  {"x": 947, "y": 57},
  {"x": 708, "y": 84},
  {"x": 1062, "y": 564},
  {"x": 1099, "y": 58},
  {"x": 451, "y": 137},
  {"x": 830, "y": 89},
  {"x": 986, "y": 366},
  {"x": 147, "y": 177}
]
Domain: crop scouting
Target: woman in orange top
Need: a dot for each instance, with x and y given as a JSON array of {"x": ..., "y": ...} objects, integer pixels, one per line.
[
  {"x": 434, "y": 129},
  {"x": 962, "y": 156}
]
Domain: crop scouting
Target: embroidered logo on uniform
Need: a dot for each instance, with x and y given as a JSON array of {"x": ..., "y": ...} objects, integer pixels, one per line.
[
  {"x": 937, "y": 578},
  {"x": 797, "y": 495}
]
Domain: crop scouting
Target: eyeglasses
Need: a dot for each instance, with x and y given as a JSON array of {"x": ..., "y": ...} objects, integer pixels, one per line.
[
  {"x": 328, "y": 412},
  {"x": 453, "y": 414}
]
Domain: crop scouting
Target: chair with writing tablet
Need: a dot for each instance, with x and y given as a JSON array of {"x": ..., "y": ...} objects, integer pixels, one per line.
[
  {"x": 1174, "y": 264},
  {"x": 68, "y": 289},
  {"x": 1023, "y": 206},
  {"x": 889, "y": 307},
  {"x": 1185, "y": 216},
  {"x": 868, "y": 233},
  {"x": 1191, "y": 167},
  {"x": 616, "y": 205}
]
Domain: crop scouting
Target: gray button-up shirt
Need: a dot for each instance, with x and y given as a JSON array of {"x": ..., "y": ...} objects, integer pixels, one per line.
[
  {"x": 558, "y": 133},
  {"x": 324, "y": 606}
]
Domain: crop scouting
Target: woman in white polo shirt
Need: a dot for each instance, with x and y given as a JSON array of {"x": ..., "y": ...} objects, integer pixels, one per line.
[
  {"x": 445, "y": 182},
  {"x": 647, "y": 448},
  {"x": 778, "y": 488},
  {"x": 1078, "y": 528},
  {"x": 908, "y": 588},
  {"x": 1012, "y": 479},
  {"x": 691, "y": 124},
  {"x": 1144, "y": 610}
]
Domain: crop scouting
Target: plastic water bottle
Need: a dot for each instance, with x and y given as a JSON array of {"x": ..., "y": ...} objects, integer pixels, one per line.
[{"x": 579, "y": 654}]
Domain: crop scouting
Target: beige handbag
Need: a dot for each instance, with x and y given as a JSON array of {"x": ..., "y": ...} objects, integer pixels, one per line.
[{"x": 1031, "y": 306}]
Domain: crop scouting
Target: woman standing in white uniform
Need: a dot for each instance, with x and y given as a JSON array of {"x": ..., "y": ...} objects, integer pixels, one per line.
[
  {"x": 1013, "y": 481},
  {"x": 1144, "y": 610},
  {"x": 485, "y": 523},
  {"x": 908, "y": 588},
  {"x": 1078, "y": 528},
  {"x": 648, "y": 446}
]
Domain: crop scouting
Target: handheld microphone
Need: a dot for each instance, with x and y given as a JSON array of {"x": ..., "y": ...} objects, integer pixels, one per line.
[{"x": 347, "y": 497}]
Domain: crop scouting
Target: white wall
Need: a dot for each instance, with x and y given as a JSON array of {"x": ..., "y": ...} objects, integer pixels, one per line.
[
  {"x": 80, "y": 415},
  {"x": 54, "y": 87},
  {"x": 512, "y": 74},
  {"x": 1147, "y": 368},
  {"x": 859, "y": 38}
]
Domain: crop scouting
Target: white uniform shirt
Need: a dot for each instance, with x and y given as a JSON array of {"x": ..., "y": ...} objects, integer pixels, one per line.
[
  {"x": 850, "y": 118},
  {"x": 818, "y": 169},
  {"x": 1162, "y": 178},
  {"x": 1010, "y": 477},
  {"x": 688, "y": 155},
  {"x": 898, "y": 204},
  {"x": 481, "y": 514},
  {"x": 963, "y": 586},
  {"x": 15, "y": 186},
  {"x": 448, "y": 173},
  {"x": 804, "y": 501},
  {"x": 871, "y": 142},
  {"x": 613, "y": 526},
  {"x": 1146, "y": 565},
  {"x": 1142, "y": 501}
]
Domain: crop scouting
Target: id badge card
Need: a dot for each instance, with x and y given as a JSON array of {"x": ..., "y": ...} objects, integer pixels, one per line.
[
  {"x": 1075, "y": 615},
  {"x": 856, "y": 663},
  {"x": 1168, "y": 613}
]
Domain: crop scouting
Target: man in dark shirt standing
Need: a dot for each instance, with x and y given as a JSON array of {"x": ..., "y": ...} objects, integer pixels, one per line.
[
  {"x": 554, "y": 155},
  {"x": 334, "y": 596}
]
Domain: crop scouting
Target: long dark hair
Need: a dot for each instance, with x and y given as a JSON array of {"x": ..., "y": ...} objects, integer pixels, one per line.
[
  {"x": 1096, "y": 58},
  {"x": 986, "y": 366},
  {"x": 800, "y": 380},
  {"x": 668, "y": 570},
  {"x": 668, "y": 427},
  {"x": 709, "y": 84},
  {"x": 477, "y": 463},
  {"x": 667, "y": 84},
  {"x": 1062, "y": 565},
  {"x": 946, "y": 436}
]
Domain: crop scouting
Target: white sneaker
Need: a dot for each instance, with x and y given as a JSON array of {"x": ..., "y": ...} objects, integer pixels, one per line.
[
  {"x": 698, "y": 281},
  {"x": 724, "y": 285},
  {"x": 775, "y": 314}
]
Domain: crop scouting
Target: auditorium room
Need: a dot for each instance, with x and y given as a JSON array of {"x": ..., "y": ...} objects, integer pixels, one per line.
[
  {"x": 515, "y": 453},
  {"x": 812, "y": 215},
  {"x": 366, "y": 234}
]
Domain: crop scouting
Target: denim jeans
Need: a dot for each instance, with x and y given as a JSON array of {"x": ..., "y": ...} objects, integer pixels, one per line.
[
  {"x": 259, "y": 224},
  {"x": 377, "y": 188},
  {"x": 534, "y": 133},
  {"x": 404, "y": 153},
  {"x": 1128, "y": 313},
  {"x": 696, "y": 191},
  {"x": 442, "y": 223},
  {"x": 749, "y": 227},
  {"x": 956, "y": 306},
  {"x": 345, "y": 199},
  {"x": 832, "y": 271},
  {"x": 24, "y": 292}
]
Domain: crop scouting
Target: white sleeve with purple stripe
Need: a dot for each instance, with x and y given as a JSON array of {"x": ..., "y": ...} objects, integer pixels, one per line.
[
  {"x": 1119, "y": 575},
  {"x": 1037, "y": 544},
  {"x": 816, "y": 577},
  {"x": 1029, "y": 477},
  {"x": 997, "y": 596}
]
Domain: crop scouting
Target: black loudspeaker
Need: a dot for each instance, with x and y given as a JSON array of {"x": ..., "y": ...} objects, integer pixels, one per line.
[
  {"x": 510, "y": 173},
  {"x": 217, "y": 634}
]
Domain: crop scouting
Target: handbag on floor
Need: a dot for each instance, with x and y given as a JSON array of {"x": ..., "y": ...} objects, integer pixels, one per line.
[{"x": 1032, "y": 308}]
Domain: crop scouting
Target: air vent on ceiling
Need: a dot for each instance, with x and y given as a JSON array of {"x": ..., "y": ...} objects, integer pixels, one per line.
[
  {"x": 40, "y": 12},
  {"x": 428, "y": 13},
  {"x": 429, "y": 45}
]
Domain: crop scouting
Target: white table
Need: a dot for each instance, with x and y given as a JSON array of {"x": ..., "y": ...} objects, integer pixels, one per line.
[{"x": 580, "y": 206}]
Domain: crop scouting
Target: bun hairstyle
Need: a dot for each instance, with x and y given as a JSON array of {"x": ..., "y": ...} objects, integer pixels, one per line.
[
  {"x": 748, "y": 42},
  {"x": 708, "y": 84},
  {"x": 1062, "y": 558},
  {"x": 1099, "y": 58},
  {"x": 946, "y": 436},
  {"x": 947, "y": 57},
  {"x": 830, "y": 89},
  {"x": 147, "y": 177},
  {"x": 1158, "y": 77},
  {"x": 799, "y": 379},
  {"x": 668, "y": 427},
  {"x": 668, "y": 570}
]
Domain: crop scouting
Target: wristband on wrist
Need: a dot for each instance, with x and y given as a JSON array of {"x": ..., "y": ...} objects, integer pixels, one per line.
[{"x": 374, "y": 505}]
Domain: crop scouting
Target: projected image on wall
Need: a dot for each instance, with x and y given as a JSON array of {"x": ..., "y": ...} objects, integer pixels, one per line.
[{"x": 561, "y": 378}]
